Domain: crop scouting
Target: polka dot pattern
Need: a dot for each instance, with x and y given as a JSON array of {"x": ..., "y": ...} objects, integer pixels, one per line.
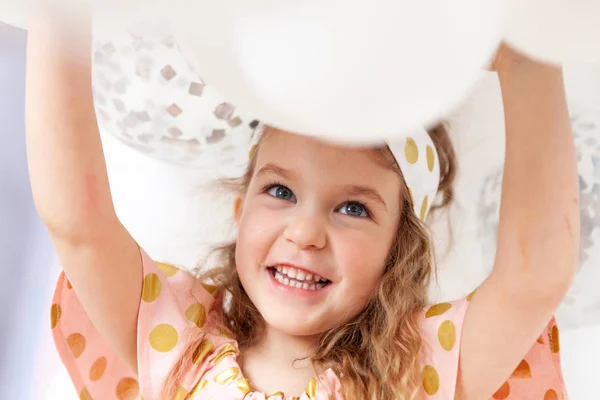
[
  {"x": 85, "y": 395},
  {"x": 536, "y": 374},
  {"x": 167, "y": 269},
  {"x": 76, "y": 343},
  {"x": 196, "y": 314},
  {"x": 430, "y": 158},
  {"x": 523, "y": 371},
  {"x": 98, "y": 368},
  {"x": 252, "y": 151},
  {"x": 163, "y": 338},
  {"x": 424, "y": 208},
  {"x": 128, "y": 389},
  {"x": 151, "y": 288},
  {"x": 437, "y": 309},
  {"x": 431, "y": 380},
  {"x": 470, "y": 296},
  {"x": 540, "y": 340},
  {"x": 177, "y": 312},
  {"x": 55, "y": 313},
  {"x": 447, "y": 335},
  {"x": 418, "y": 161},
  {"x": 554, "y": 340},
  {"x": 411, "y": 151},
  {"x": 503, "y": 392},
  {"x": 210, "y": 289}
]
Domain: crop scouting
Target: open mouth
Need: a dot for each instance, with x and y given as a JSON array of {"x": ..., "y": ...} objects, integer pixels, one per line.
[{"x": 296, "y": 278}]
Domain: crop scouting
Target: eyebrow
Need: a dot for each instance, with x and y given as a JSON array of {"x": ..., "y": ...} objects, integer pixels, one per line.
[
  {"x": 355, "y": 190},
  {"x": 277, "y": 170}
]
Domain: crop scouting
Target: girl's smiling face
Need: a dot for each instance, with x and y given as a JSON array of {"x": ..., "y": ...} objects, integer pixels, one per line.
[{"x": 314, "y": 210}]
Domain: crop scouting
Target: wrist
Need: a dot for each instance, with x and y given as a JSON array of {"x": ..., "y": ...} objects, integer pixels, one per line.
[{"x": 514, "y": 66}]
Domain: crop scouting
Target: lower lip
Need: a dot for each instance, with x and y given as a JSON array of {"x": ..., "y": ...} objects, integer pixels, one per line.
[{"x": 294, "y": 290}]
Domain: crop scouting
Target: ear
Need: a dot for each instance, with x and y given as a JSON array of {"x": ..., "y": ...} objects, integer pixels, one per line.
[{"x": 238, "y": 205}]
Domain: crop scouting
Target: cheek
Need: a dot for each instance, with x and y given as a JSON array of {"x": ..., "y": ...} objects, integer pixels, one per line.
[
  {"x": 256, "y": 231},
  {"x": 363, "y": 265}
]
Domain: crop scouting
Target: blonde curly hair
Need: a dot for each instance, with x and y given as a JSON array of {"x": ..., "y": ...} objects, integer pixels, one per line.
[{"x": 377, "y": 353}]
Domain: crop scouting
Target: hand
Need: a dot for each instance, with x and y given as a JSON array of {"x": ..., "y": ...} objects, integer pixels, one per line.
[
  {"x": 506, "y": 56},
  {"x": 510, "y": 64}
]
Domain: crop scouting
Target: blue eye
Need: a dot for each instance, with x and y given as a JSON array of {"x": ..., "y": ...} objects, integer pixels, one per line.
[
  {"x": 281, "y": 192},
  {"x": 354, "y": 209}
]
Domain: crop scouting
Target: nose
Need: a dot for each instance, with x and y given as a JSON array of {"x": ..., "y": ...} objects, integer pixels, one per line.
[{"x": 306, "y": 232}]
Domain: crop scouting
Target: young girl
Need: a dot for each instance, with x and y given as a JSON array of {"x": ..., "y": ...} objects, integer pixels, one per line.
[{"x": 323, "y": 294}]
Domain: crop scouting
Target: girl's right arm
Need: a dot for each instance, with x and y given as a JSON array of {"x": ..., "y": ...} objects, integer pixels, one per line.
[{"x": 69, "y": 178}]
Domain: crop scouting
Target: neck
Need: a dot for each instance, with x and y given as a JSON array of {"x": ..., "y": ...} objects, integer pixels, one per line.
[
  {"x": 280, "y": 362},
  {"x": 288, "y": 348}
]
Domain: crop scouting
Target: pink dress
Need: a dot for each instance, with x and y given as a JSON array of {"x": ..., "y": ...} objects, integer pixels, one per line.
[{"x": 175, "y": 307}]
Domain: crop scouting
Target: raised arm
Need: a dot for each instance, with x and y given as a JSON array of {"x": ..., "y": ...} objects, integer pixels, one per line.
[
  {"x": 69, "y": 179},
  {"x": 538, "y": 233}
]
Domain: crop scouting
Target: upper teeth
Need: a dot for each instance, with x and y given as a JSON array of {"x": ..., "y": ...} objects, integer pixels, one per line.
[
  {"x": 294, "y": 273},
  {"x": 299, "y": 279}
]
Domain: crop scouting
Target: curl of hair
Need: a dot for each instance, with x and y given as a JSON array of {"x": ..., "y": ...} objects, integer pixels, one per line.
[{"x": 377, "y": 354}]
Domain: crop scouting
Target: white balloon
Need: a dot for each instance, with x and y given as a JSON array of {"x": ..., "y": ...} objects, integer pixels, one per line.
[
  {"x": 356, "y": 71},
  {"x": 556, "y": 31}
]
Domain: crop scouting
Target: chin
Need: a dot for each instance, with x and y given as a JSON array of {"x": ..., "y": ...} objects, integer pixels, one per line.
[{"x": 291, "y": 325}]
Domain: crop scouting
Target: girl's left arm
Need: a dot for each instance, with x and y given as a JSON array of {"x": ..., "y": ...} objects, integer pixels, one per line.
[{"x": 538, "y": 234}]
